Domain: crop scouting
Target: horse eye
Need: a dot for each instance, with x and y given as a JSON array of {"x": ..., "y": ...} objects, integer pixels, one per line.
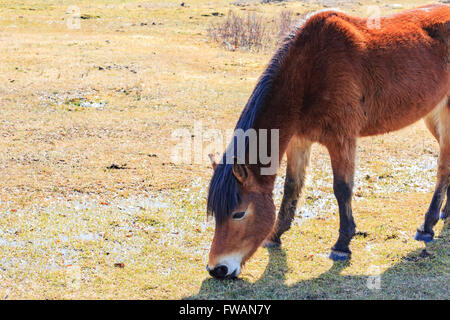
[{"x": 238, "y": 215}]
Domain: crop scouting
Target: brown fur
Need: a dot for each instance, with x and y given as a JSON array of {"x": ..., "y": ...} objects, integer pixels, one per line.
[
  {"x": 298, "y": 156},
  {"x": 339, "y": 81}
]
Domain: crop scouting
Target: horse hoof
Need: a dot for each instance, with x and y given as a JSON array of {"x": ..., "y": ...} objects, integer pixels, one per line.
[
  {"x": 339, "y": 255},
  {"x": 443, "y": 216},
  {"x": 423, "y": 236},
  {"x": 271, "y": 244}
]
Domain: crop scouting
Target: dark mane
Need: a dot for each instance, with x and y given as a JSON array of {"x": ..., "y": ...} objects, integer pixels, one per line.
[{"x": 223, "y": 194}]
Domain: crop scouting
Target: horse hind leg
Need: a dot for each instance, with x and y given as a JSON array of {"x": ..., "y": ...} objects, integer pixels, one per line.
[
  {"x": 445, "y": 133},
  {"x": 298, "y": 155},
  {"x": 446, "y": 212},
  {"x": 439, "y": 124}
]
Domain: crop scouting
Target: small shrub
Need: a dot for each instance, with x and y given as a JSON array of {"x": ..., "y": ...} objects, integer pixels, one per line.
[
  {"x": 253, "y": 31},
  {"x": 285, "y": 23},
  {"x": 239, "y": 32}
]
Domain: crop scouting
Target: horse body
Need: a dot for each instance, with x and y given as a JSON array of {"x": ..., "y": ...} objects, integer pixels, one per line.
[
  {"x": 332, "y": 82},
  {"x": 362, "y": 81}
]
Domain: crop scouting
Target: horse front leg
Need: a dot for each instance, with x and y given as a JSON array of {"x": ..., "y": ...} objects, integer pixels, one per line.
[
  {"x": 343, "y": 163},
  {"x": 298, "y": 155}
]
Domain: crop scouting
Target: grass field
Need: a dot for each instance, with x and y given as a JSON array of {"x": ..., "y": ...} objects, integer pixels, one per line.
[{"x": 91, "y": 205}]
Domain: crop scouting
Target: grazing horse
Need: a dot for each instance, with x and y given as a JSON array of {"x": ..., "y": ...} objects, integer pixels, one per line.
[{"x": 332, "y": 81}]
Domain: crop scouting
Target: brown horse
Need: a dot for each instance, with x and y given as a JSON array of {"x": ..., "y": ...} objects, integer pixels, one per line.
[{"x": 334, "y": 80}]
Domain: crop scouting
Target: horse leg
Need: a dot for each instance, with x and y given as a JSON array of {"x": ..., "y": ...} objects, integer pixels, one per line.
[
  {"x": 445, "y": 132},
  {"x": 298, "y": 154},
  {"x": 343, "y": 162},
  {"x": 446, "y": 212},
  {"x": 435, "y": 122},
  {"x": 439, "y": 124}
]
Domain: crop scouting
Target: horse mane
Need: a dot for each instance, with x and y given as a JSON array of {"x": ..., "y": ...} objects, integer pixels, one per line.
[{"x": 223, "y": 194}]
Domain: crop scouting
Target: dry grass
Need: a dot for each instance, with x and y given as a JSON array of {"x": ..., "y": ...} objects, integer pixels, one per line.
[
  {"x": 77, "y": 102},
  {"x": 234, "y": 32},
  {"x": 252, "y": 31},
  {"x": 286, "y": 22}
]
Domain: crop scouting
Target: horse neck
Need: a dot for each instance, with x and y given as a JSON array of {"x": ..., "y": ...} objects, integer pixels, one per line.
[
  {"x": 279, "y": 111},
  {"x": 272, "y": 119}
]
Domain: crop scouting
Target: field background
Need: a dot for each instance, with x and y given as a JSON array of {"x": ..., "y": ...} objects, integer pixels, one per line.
[{"x": 91, "y": 205}]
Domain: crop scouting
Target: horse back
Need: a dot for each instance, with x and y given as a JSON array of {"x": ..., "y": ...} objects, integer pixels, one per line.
[
  {"x": 434, "y": 20},
  {"x": 375, "y": 80}
]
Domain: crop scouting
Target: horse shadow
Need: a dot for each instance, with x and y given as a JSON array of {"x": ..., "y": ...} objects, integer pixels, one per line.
[{"x": 422, "y": 274}]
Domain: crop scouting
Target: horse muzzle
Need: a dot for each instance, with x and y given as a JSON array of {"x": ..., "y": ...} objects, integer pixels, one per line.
[{"x": 223, "y": 271}]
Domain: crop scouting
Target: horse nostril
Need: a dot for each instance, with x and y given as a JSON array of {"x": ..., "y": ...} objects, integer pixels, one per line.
[
  {"x": 219, "y": 272},
  {"x": 222, "y": 271}
]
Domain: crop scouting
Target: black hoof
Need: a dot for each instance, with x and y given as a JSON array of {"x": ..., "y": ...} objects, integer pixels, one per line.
[
  {"x": 423, "y": 236},
  {"x": 443, "y": 215},
  {"x": 339, "y": 255},
  {"x": 269, "y": 244}
]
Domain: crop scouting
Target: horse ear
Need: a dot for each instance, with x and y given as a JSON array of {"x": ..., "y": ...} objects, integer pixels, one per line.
[
  {"x": 213, "y": 161},
  {"x": 240, "y": 172}
]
